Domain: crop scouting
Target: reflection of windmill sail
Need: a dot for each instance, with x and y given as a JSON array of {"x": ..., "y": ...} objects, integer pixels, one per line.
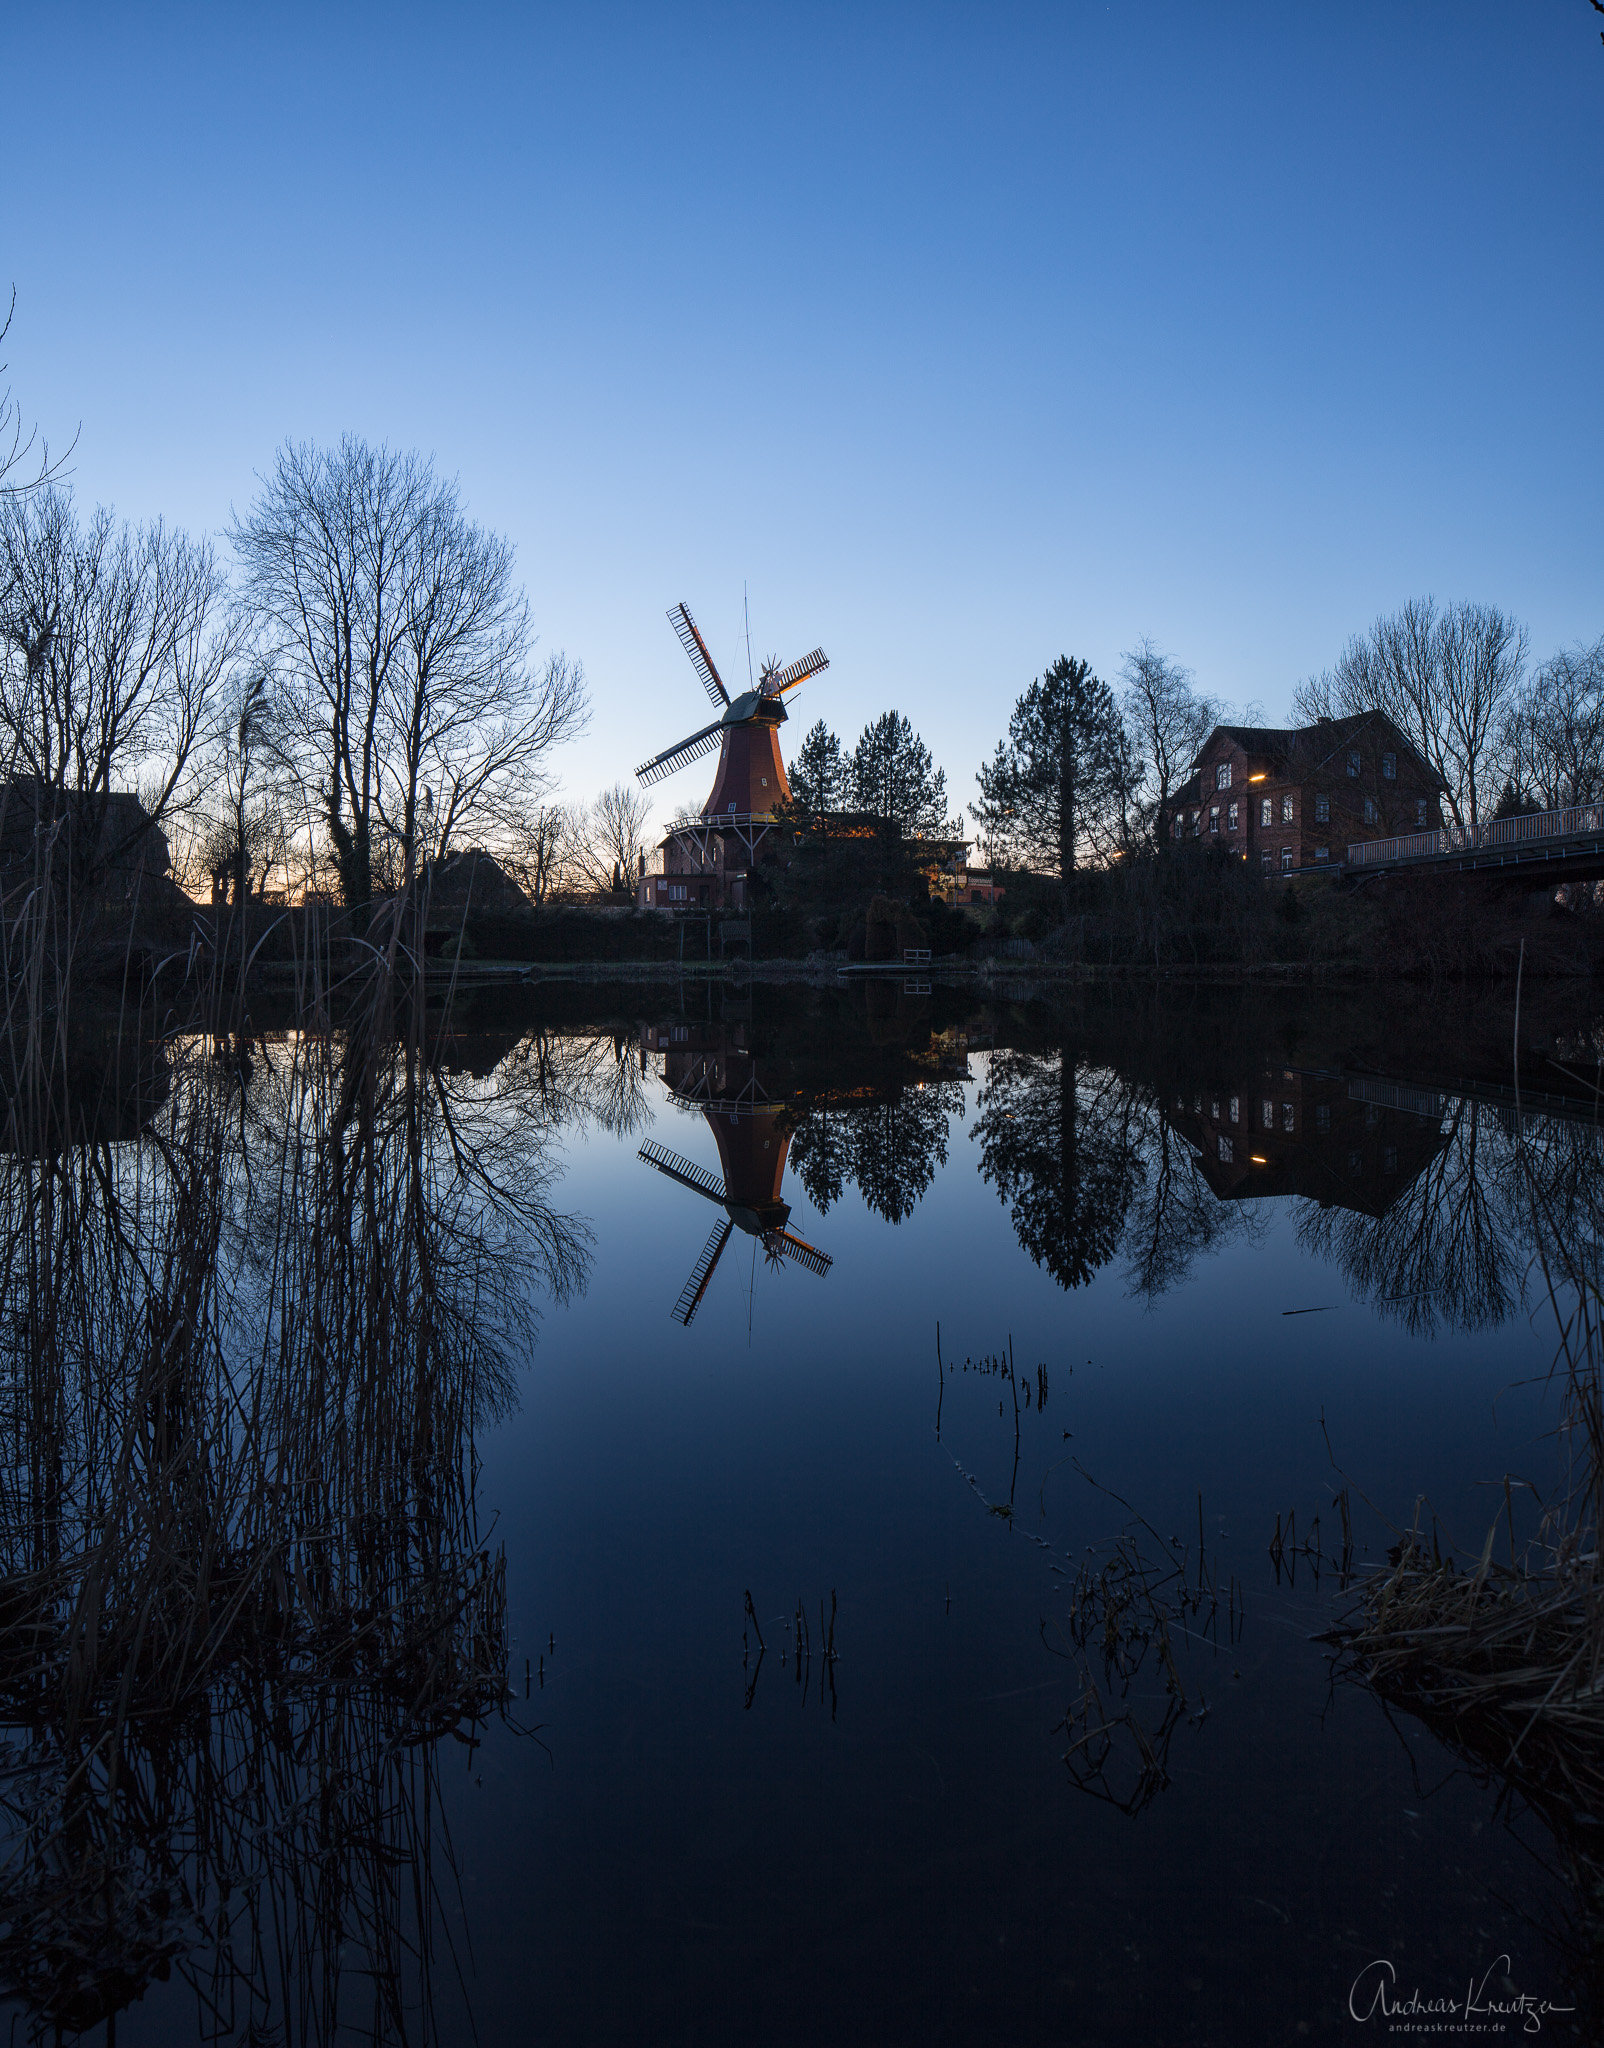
[
  {"x": 754, "y": 1208},
  {"x": 783, "y": 1244},
  {"x": 690, "y": 1295},
  {"x": 686, "y": 1171}
]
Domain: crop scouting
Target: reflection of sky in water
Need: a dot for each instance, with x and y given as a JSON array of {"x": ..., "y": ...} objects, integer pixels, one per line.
[
  {"x": 918, "y": 1865},
  {"x": 921, "y": 1866}
]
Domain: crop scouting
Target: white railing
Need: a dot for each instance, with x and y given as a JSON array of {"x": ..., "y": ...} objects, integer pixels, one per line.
[
  {"x": 693, "y": 821},
  {"x": 1522, "y": 830}
]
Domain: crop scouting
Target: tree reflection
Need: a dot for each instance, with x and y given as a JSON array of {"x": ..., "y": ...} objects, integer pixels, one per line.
[
  {"x": 889, "y": 1148},
  {"x": 245, "y": 1588},
  {"x": 1455, "y": 1249},
  {"x": 1058, "y": 1144}
]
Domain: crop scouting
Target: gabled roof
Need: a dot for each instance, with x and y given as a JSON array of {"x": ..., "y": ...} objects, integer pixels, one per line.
[{"x": 1318, "y": 742}]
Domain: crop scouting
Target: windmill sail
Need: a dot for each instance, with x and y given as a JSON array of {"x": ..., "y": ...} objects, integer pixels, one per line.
[
  {"x": 672, "y": 758},
  {"x": 785, "y": 1246},
  {"x": 685, "y": 1171},
  {"x": 696, "y": 647},
  {"x": 777, "y": 679},
  {"x": 690, "y": 1295}
]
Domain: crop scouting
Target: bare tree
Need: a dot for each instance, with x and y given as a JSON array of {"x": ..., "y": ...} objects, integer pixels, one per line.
[
  {"x": 1446, "y": 678},
  {"x": 1554, "y": 734},
  {"x": 114, "y": 642},
  {"x": 398, "y": 619},
  {"x": 1168, "y": 720},
  {"x": 610, "y": 838},
  {"x": 536, "y": 847},
  {"x": 22, "y": 469}
]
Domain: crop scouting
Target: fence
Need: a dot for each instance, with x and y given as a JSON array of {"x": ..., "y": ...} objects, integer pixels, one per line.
[{"x": 1530, "y": 827}]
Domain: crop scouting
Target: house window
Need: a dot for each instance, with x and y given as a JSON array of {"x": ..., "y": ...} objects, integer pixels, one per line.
[
  {"x": 1227, "y": 1152},
  {"x": 1389, "y": 767},
  {"x": 1194, "y": 824},
  {"x": 1214, "y": 1110},
  {"x": 1214, "y": 817},
  {"x": 1322, "y": 853},
  {"x": 1222, "y": 776},
  {"x": 1389, "y": 1159},
  {"x": 1286, "y": 860},
  {"x": 1266, "y": 814},
  {"x": 1176, "y": 826},
  {"x": 1286, "y": 810},
  {"x": 1356, "y": 1161},
  {"x": 1287, "y": 1118},
  {"x": 1322, "y": 808},
  {"x": 1236, "y": 1109},
  {"x": 1269, "y": 1114},
  {"x": 1264, "y": 862},
  {"x": 1230, "y": 817},
  {"x": 1354, "y": 763},
  {"x": 1420, "y": 810},
  {"x": 1370, "y": 812},
  {"x": 1322, "y": 1116}
]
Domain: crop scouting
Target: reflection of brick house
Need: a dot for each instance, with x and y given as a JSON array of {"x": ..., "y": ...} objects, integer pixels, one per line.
[
  {"x": 1281, "y": 1132},
  {"x": 1290, "y": 799}
]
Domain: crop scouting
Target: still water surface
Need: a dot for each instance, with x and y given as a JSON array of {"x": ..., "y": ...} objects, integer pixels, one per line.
[{"x": 1194, "y": 1264}]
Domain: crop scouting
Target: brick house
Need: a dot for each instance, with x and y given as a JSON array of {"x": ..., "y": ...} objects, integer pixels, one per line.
[
  {"x": 1294, "y": 799},
  {"x": 1282, "y": 1131}
]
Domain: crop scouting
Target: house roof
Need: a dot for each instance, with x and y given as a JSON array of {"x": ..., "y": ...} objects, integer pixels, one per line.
[{"x": 1317, "y": 743}]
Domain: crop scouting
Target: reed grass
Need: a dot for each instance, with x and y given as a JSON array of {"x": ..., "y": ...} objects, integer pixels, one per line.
[{"x": 256, "y": 1298}]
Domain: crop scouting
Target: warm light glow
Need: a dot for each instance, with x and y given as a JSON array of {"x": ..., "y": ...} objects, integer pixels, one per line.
[
  {"x": 1255, "y": 778},
  {"x": 1259, "y": 1159}
]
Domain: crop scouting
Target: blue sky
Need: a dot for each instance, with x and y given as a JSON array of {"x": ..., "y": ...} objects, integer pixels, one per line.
[{"x": 962, "y": 336}]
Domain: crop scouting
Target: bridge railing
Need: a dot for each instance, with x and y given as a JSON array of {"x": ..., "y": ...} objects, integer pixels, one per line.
[{"x": 1521, "y": 830}]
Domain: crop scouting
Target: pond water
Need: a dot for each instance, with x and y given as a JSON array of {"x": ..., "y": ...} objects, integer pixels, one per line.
[{"x": 902, "y": 1394}]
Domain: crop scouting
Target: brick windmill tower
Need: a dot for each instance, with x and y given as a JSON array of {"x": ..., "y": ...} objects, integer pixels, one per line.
[{"x": 707, "y": 855}]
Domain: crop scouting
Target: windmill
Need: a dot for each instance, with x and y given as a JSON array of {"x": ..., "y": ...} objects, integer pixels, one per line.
[
  {"x": 751, "y": 778},
  {"x": 749, "y": 1195}
]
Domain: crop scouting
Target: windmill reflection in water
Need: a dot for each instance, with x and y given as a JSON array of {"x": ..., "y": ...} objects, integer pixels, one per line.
[{"x": 747, "y": 1127}]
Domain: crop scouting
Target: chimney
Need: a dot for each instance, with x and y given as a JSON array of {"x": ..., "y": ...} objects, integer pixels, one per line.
[{"x": 1322, "y": 719}]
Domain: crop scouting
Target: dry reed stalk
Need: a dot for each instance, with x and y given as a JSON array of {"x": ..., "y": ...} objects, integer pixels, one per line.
[{"x": 244, "y": 1349}]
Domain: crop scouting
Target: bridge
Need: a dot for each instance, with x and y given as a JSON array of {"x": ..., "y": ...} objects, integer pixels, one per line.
[{"x": 1549, "y": 846}]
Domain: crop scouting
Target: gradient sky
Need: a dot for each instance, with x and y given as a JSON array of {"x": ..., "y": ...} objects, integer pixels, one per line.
[{"x": 963, "y": 336}]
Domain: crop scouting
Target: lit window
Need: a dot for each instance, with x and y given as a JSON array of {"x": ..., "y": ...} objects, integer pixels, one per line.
[
  {"x": 1322, "y": 808},
  {"x": 1286, "y": 810},
  {"x": 1322, "y": 853},
  {"x": 1266, "y": 812},
  {"x": 1227, "y": 1151},
  {"x": 1389, "y": 767},
  {"x": 1214, "y": 817},
  {"x": 1287, "y": 1119},
  {"x": 1236, "y": 1109},
  {"x": 1222, "y": 776},
  {"x": 1269, "y": 1114},
  {"x": 1230, "y": 817},
  {"x": 1370, "y": 812},
  {"x": 1420, "y": 810}
]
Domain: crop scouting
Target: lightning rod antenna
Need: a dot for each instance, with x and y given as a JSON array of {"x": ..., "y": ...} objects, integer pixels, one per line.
[{"x": 747, "y": 609}]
